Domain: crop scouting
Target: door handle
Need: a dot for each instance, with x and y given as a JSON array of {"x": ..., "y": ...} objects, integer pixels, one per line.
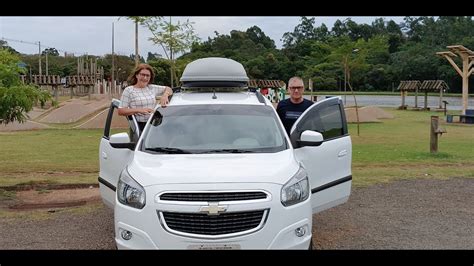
[
  {"x": 104, "y": 155},
  {"x": 342, "y": 153}
]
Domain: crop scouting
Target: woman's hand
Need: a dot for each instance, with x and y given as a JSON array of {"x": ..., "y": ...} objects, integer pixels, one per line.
[
  {"x": 164, "y": 100},
  {"x": 145, "y": 111}
]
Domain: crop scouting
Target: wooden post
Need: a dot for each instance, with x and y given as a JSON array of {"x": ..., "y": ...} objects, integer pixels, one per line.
[
  {"x": 465, "y": 81},
  {"x": 416, "y": 97},
  {"x": 403, "y": 99},
  {"x": 433, "y": 134},
  {"x": 426, "y": 100},
  {"x": 441, "y": 97},
  {"x": 55, "y": 88},
  {"x": 310, "y": 85}
]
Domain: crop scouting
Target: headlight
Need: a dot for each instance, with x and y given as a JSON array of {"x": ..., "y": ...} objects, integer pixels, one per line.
[
  {"x": 129, "y": 192},
  {"x": 296, "y": 190}
]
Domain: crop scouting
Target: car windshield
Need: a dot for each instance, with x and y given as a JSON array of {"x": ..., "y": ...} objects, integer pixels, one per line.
[{"x": 214, "y": 129}]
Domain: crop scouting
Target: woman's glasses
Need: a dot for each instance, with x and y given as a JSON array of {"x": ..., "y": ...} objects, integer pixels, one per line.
[{"x": 144, "y": 75}]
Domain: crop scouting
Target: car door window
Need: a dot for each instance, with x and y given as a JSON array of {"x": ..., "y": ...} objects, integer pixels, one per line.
[
  {"x": 327, "y": 119},
  {"x": 134, "y": 131}
]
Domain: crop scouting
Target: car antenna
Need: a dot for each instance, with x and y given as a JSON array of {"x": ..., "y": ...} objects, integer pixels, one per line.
[{"x": 214, "y": 96}]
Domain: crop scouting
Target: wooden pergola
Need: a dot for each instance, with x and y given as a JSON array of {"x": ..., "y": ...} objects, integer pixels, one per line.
[
  {"x": 266, "y": 83},
  {"x": 425, "y": 86},
  {"x": 467, "y": 57},
  {"x": 406, "y": 86},
  {"x": 276, "y": 85}
]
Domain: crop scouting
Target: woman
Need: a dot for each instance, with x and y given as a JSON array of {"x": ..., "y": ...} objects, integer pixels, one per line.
[{"x": 139, "y": 98}]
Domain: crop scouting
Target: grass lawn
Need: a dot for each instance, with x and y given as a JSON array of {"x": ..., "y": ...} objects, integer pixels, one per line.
[
  {"x": 54, "y": 156},
  {"x": 397, "y": 148}
]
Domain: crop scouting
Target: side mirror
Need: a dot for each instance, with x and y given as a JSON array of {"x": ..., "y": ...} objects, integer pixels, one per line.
[
  {"x": 310, "y": 138},
  {"x": 121, "y": 141}
]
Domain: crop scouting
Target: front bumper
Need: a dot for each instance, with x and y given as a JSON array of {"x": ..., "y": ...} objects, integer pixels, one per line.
[{"x": 277, "y": 229}]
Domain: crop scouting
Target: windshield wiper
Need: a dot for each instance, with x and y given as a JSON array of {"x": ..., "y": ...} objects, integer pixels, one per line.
[
  {"x": 168, "y": 150},
  {"x": 228, "y": 151}
]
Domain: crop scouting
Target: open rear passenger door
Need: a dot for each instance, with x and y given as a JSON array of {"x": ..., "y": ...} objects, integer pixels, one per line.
[
  {"x": 322, "y": 143},
  {"x": 113, "y": 160}
]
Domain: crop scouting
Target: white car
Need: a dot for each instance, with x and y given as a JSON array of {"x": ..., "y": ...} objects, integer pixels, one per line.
[{"x": 215, "y": 169}]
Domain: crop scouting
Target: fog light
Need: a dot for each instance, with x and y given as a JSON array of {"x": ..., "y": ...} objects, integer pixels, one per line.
[
  {"x": 300, "y": 231},
  {"x": 126, "y": 235}
]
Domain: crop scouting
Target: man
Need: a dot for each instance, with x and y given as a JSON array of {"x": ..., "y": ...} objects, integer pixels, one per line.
[{"x": 290, "y": 109}]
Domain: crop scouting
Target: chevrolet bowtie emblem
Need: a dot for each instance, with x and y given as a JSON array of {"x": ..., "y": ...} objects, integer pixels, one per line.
[{"x": 213, "y": 208}]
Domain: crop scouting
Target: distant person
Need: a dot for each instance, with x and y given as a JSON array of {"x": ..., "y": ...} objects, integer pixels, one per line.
[
  {"x": 139, "y": 98},
  {"x": 291, "y": 109}
]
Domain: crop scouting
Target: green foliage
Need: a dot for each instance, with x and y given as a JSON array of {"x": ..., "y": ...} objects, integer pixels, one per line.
[
  {"x": 162, "y": 70},
  {"x": 16, "y": 99},
  {"x": 386, "y": 52},
  {"x": 124, "y": 65},
  {"x": 57, "y": 65},
  {"x": 50, "y": 51},
  {"x": 4, "y": 45}
]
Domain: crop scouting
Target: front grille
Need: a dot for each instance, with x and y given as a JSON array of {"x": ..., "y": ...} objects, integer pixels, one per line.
[
  {"x": 203, "y": 224},
  {"x": 221, "y": 196}
]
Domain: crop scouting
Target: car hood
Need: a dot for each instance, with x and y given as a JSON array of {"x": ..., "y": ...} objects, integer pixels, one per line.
[{"x": 152, "y": 169}]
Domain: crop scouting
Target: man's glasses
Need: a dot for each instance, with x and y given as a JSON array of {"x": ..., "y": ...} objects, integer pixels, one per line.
[
  {"x": 144, "y": 75},
  {"x": 296, "y": 88}
]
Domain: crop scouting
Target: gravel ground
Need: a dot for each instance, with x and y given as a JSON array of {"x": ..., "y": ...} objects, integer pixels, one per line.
[
  {"x": 414, "y": 214},
  {"x": 90, "y": 228}
]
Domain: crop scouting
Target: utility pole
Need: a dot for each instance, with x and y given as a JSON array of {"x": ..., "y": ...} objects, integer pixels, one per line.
[
  {"x": 112, "y": 85},
  {"x": 137, "y": 59},
  {"x": 171, "y": 57},
  {"x": 39, "y": 53},
  {"x": 345, "y": 79},
  {"x": 46, "y": 54}
]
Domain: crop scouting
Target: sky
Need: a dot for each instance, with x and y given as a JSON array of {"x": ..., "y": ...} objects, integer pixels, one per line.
[{"x": 93, "y": 35}]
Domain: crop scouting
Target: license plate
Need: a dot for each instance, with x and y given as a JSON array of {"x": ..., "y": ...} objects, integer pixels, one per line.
[{"x": 214, "y": 246}]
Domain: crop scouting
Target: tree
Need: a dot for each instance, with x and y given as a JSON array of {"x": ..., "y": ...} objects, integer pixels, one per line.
[
  {"x": 152, "y": 56},
  {"x": 351, "y": 55},
  {"x": 4, "y": 45},
  {"x": 138, "y": 20},
  {"x": 303, "y": 31},
  {"x": 173, "y": 38},
  {"x": 258, "y": 36},
  {"x": 16, "y": 99},
  {"x": 50, "y": 51}
]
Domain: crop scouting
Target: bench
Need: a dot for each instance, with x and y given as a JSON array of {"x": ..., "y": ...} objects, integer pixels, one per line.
[{"x": 468, "y": 118}]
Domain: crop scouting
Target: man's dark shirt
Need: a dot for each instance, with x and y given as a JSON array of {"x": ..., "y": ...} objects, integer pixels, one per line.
[{"x": 289, "y": 112}]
